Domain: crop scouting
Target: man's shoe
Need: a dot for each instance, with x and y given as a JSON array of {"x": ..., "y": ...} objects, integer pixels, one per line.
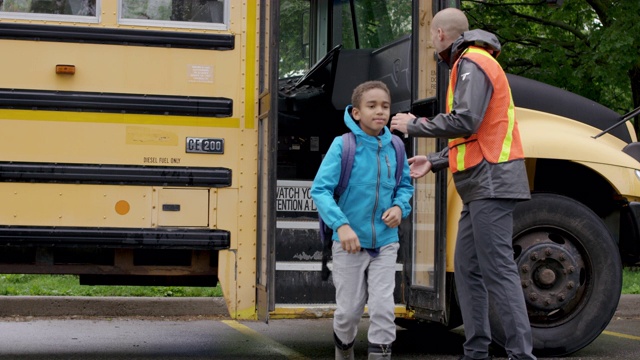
[{"x": 465, "y": 357}]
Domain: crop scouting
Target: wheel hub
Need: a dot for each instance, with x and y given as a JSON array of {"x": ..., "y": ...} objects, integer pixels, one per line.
[{"x": 549, "y": 275}]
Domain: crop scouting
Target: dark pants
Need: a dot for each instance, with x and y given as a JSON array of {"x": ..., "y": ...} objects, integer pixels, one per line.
[{"x": 484, "y": 265}]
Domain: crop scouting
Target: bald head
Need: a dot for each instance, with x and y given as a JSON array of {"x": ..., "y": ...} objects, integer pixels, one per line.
[{"x": 447, "y": 25}]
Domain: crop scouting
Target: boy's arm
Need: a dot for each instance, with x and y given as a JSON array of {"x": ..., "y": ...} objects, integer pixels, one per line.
[{"x": 324, "y": 184}]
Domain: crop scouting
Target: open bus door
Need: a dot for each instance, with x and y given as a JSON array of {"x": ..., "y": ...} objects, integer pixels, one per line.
[
  {"x": 428, "y": 288},
  {"x": 337, "y": 52},
  {"x": 267, "y": 142}
]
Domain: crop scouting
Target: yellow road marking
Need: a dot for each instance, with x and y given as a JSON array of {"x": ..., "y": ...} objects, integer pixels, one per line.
[
  {"x": 254, "y": 335},
  {"x": 621, "y": 335}
]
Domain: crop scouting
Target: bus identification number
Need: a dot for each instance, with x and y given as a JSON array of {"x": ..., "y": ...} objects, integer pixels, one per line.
[{"x": 205, "y": 145}]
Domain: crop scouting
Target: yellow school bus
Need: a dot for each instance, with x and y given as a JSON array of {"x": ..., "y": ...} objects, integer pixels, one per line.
[{"x": 173, "y": 142}]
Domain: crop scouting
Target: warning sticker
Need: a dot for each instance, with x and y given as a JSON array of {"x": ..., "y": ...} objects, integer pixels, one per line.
[{"x": 200, "y": 73}]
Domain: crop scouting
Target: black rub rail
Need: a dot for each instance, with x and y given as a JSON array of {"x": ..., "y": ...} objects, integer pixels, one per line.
[
  {"x": 100, "y": 35},
  {"x": 125, "y": 238},
  {"x": 114, "y": 174},
  {"x": 115, "y": 102}
]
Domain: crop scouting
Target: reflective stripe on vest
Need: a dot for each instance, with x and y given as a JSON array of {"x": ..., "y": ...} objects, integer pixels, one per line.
[{"x": 498, "y": 139}]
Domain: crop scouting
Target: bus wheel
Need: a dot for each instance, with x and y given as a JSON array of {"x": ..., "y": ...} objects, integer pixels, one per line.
[{"x": 570, "y": 270}]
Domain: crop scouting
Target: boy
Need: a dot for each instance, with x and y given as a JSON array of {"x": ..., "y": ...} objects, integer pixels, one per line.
[{"x": 365, "y": 222}]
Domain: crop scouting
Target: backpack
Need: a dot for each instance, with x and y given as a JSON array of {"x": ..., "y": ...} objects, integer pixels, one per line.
[{"x": 348, "y": 155}]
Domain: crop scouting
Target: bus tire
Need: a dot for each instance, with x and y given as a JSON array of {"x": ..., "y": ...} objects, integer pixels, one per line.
[{"x": 571, "y": 274}]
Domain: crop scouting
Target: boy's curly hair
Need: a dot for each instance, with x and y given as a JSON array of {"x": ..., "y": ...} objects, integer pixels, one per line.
[{"x": 356, "y": 97}]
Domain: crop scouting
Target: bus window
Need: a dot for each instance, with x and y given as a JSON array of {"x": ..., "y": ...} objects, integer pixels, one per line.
[
  {"x": 69, "y": 10},
  {"x": 294, "y": 43},
  {"x": 376, "y": 25},
  {"x": 206, "y": 14}
]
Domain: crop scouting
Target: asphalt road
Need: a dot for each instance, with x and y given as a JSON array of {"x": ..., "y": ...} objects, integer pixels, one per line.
[{"x": 196, "y": 328}]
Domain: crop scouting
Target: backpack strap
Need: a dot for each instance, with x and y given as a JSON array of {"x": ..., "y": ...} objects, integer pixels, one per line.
[
  {"x": 348, "y": 154},
  {"x": 398, "y": 145}
]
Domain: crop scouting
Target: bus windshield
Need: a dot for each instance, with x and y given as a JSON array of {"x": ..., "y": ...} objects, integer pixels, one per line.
[
  {"x": 373, "y": 24},
  {"x": 357, "y": 24}
]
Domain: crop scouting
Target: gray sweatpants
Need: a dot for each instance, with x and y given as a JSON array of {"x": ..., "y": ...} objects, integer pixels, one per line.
[
  {"x": 358, "y": 277},
  {"x": 484, "y": 265}
]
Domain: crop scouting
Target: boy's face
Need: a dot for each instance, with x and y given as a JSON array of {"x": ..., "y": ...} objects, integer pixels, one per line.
[{"x": 373, "y": 112}]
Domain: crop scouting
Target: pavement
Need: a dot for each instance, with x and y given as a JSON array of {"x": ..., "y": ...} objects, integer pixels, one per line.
[{"x": 43, "y": 306}]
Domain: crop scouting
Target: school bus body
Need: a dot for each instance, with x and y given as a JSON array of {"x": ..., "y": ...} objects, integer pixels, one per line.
[{"x": 105, "y": 171}]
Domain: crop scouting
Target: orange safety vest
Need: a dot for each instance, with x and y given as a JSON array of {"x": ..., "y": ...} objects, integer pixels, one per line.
[{"x": 498, "y": 138}]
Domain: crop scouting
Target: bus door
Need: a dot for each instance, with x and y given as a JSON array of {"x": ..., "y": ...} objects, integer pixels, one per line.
[
  {"x": 326, "y": 48},
  {"x": 267, "y": 140},
  {"x": 425, "y": 279}
]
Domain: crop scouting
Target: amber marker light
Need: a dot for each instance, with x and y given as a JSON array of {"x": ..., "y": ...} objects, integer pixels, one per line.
[
  {"x": 66, "y": 69},
  {"x": 122, "y": 207}
]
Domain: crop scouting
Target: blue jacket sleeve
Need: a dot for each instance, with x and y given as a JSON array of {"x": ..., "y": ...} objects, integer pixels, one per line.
[
  {"x": 404, "y": 192},
  {"x": 324, "y": 184}
]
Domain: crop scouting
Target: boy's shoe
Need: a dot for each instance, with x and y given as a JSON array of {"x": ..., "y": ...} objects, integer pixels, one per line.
[
  {"x": 343, "y": 351},
  {"x": 379, "y": 352},
  {"x": 379, "y": 356},
  {"x": 344, "y": 354}
]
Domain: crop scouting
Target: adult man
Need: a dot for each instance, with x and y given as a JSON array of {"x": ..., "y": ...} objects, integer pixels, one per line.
[{"x": 486, "y": 158}]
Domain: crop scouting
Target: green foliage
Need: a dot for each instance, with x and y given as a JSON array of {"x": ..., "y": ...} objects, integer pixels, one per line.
[
  {"x": 294, "y": 37},
  {"x": 631, "y": 281},
  {"x": 68, "y": 285},
  {"x": 587, "y": 47},
  {"x": 379, "y": 22},
  {"x": 16, "y": 5}
]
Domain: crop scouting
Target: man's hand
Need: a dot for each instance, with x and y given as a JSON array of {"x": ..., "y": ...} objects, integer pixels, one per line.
[
  {"x": 419, "y": 166},
  {"x": 399, "y": 121},
  {"x": 392, "y": 216},
  {"x": 348, "y": 239}
]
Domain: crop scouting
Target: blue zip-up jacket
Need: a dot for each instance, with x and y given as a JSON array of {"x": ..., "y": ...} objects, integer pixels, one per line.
[{"x": 370, "y": 191}]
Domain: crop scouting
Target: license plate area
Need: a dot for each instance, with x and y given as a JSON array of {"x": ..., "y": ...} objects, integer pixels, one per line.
[{"x": 204, "y": 145}]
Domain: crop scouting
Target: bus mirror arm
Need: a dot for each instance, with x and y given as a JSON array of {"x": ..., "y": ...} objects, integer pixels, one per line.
[{"x": 622, "y": 120}]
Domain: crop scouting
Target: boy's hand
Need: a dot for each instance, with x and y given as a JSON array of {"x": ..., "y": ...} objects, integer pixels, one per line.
[
  {"x": 392, "y": 217},
  {"x": 348, "y": 239}
]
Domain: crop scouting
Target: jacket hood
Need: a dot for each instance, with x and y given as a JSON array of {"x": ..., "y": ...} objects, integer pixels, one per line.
[
  {"x": 354, "y": 126},
  {"x": 477, "y": 37}
]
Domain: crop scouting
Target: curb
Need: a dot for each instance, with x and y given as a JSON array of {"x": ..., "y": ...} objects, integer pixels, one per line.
[
  {"x": 629, "y": 306},
  {"x": 111, "y": 306}
]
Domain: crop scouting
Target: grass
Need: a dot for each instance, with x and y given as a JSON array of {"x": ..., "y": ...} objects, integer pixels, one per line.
[
  {"x": 631, "y": 280},
  {"x": 68, "y": 285}
]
